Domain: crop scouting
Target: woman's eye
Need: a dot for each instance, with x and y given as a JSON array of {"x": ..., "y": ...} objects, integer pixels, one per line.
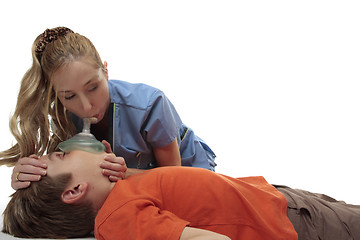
[
  {"x": 69, "y": 97},
  {"x": 94, "y": 87}
]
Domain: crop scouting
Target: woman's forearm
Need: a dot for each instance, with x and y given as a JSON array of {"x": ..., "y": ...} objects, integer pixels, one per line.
[{"x": 133, "y": 171}]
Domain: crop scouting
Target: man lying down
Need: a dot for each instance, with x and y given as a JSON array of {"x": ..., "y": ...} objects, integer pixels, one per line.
[{"x": 76, "y": 199}]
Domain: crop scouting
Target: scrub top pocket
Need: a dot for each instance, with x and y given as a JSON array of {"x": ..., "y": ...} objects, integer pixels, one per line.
[{"x": 143, "y": 160}]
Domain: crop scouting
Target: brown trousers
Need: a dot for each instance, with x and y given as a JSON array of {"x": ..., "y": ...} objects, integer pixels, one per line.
[{"x": 317, "y": 216}]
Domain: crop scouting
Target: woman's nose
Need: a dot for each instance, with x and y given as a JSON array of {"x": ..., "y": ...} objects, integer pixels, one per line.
[{"x": 86, "y": 104}]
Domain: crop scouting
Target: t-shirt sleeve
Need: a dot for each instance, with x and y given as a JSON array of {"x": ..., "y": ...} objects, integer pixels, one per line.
[
  {"x": 140, "y": 219},
  {"x": 162, "y": 123}
]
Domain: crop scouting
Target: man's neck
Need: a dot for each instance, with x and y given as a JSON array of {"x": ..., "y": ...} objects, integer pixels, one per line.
[{"x": 100, "y": 193}]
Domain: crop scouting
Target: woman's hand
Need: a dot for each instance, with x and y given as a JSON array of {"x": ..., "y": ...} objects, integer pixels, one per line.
[
  {"x": 107, "y": 146},
  {"x": 27, "y": 170},
  {"x": 113, "y": 167}
]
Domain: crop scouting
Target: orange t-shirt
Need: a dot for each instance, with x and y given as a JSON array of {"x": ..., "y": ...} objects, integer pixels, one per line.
[{"x": 159, "y": 203}]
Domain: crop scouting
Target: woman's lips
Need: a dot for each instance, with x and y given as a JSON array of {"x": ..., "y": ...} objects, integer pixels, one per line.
[{"x": 93, "y": 120}]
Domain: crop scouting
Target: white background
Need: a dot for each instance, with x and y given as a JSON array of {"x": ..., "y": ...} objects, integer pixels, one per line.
[{"x": 272, "y": 86}]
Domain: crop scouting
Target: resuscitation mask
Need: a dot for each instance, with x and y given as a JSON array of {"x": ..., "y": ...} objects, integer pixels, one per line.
[{"x": 84, "y": 141}]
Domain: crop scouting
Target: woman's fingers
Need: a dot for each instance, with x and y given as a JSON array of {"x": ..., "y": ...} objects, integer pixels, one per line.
[
  {"x": 25, "y": 177},
  {"x": 34, "y": 161},
  {"x": 107, "y": 146},
  {"x": 19, "y": 185},
  {"x": 114, "y": 167},
  {"x": 27, "y": 170},
  {"x": 113, "y": 175},
  {"x": 28, "y": 173}
]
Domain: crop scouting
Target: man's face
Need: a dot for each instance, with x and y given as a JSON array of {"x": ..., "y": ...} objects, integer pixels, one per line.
[
  {"x": 85, "y": 170},
  {"x": 79, "y": 163}
]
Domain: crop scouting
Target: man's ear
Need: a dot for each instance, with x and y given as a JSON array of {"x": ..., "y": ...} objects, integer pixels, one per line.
[{"x": 73, "y": 194}]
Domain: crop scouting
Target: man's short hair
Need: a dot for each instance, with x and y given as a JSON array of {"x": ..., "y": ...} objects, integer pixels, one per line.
[{"x": 39, "y": 212}]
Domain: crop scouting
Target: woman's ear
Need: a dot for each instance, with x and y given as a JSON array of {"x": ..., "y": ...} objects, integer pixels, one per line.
[
  {"x": 106, "y": 70},
  {"x": 74, "y": 194}
]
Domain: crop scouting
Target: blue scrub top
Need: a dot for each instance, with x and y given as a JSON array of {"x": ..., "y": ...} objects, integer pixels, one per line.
[{"x": 143, "y": 118}]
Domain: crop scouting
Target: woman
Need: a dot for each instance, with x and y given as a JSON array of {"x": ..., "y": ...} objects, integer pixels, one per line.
[{"x": 68, "y": 82}]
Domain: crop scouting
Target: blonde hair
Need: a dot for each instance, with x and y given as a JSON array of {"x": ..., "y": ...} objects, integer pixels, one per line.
[
  {"x": 40, "y": 122},
  {"x": 39, "y": 212}
]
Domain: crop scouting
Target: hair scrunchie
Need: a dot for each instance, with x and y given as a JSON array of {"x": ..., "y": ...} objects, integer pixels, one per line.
[{"x": 51, "y": 35}]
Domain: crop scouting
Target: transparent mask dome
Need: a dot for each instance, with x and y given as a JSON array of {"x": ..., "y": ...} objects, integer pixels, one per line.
[{"x": 84, "y": 141}]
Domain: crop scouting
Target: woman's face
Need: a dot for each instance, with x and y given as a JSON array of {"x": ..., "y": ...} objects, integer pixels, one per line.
[{"x": 82, "y": 89}]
